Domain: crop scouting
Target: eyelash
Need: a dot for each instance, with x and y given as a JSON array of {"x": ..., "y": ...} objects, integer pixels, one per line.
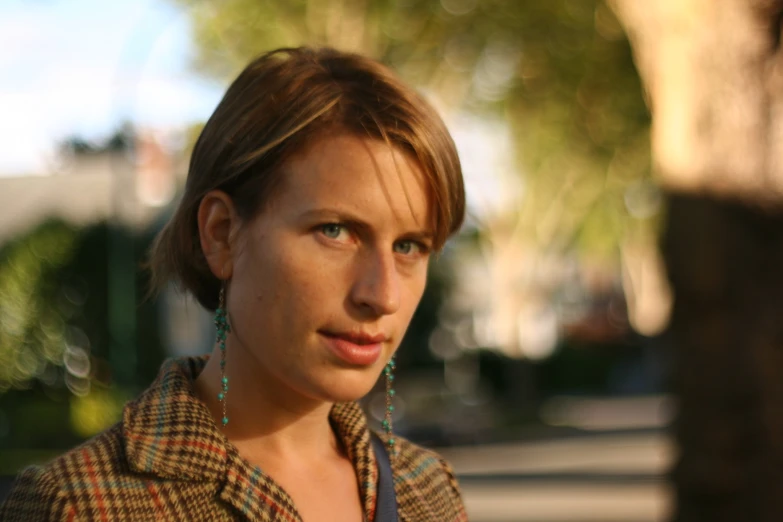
[
  {"x": 423, "y": 249},
  {"x": 322, "y": 228}
]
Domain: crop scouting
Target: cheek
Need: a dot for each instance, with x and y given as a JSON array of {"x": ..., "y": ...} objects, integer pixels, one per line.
[
  {"x": 309, "y": 276},
  {"x": 414, "y": 292},
  {"x": 289, "y": 279}
]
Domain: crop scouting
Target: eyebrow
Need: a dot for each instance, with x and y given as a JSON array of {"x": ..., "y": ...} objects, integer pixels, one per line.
[{"x": 352, "y": 220}]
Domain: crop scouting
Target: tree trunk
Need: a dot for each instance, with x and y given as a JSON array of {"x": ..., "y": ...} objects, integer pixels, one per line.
[
  {"x": 712, "y": 71},
  {"x": 724, "y": 261}
]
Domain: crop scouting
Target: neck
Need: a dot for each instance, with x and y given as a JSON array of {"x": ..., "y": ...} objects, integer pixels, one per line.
[{"x": 265, "y": 416}]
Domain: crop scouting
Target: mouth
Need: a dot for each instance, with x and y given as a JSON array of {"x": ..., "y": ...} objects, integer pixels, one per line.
[
  {"x": 359, "y": 338},
  {"x": 355, "y": 348}
]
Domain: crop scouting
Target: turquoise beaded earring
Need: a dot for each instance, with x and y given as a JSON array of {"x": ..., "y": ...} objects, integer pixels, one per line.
[
  {"x": 223, "y": 328},
  {"x": 387, "y": 419}
]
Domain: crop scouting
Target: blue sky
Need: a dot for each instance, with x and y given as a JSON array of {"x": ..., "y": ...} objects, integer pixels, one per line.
[{"x": 83, "y": 66}]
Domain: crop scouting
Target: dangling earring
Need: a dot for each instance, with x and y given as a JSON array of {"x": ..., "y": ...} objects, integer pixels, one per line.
[
  {"x": 223, "y": 328},
  {"x": 387, "y": 420}
]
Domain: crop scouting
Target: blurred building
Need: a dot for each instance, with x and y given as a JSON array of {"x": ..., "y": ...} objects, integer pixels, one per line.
[
  {"x": 126, "y": 179},
  {"x": 130, "y": 181}
]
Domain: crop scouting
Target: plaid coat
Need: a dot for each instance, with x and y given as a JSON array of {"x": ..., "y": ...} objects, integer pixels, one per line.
[{"x": 167, "y": 460}]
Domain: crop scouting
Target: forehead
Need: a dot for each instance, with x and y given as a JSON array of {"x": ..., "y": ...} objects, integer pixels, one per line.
[{"x": 359, "y": 175}]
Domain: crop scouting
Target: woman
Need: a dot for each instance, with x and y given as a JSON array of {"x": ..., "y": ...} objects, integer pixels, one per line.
[{"x": 316, "y": 193}]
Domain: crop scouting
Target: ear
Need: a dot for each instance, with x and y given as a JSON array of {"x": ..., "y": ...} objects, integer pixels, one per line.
[{"x": 218, "y": 224}]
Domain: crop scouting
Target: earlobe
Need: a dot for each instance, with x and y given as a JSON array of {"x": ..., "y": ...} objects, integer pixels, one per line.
[{"x": 217, "y": 219}]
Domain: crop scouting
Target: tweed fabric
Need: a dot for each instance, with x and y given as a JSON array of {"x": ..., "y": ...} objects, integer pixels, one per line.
[{"x": 168, "y": 460}]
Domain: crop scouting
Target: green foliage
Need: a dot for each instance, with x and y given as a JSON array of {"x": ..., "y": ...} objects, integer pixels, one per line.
[
  {"x": 96, "y": 411},
  {"x": 54, "y": 309},
  {"x": 32, "y": 329},
  {"x": 59, "y": 382},
  {"x": 558, "y": 72},
  {"x": 35, "y": 418}
]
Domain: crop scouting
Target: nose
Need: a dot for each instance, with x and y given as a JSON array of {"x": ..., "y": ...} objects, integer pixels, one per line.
[{"x": 377, "y": 286}]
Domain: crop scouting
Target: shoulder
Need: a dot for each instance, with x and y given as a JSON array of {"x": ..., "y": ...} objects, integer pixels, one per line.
[
  {"x": 422, "y": 477},
  {"x": 34, "y": 498},
  {"x": 51, "y": 491}
]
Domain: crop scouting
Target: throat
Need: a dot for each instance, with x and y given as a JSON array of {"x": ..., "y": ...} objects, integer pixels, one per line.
[{"x": 327, "y": 491}]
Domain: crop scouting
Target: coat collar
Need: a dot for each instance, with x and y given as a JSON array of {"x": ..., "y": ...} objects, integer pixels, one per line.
[{"x": 168, "y": 432}]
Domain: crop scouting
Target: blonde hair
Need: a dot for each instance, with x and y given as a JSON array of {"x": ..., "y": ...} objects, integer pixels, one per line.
[{"x": 279, "y": 103}]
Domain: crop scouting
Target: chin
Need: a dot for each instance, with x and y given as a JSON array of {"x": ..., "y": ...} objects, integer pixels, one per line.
[{"x": 348, "y": 388}]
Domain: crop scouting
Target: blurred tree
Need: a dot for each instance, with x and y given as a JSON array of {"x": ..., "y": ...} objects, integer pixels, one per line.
[
  {"x": 714, "y": 76},
  {"x": 33, "y": 331},
  {"x": 55, "y": 337},
  {"x": 558, "y": 74}
]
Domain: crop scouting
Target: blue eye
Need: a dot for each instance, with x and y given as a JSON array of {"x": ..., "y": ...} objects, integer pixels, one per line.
[
  {"x": 409, "y": 247},
  {"x": 332, "y": 230},
  {"x": 403, "y": 247}
]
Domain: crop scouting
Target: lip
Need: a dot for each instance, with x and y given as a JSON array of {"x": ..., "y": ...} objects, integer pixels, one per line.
[{"x": 355, "y": 348}]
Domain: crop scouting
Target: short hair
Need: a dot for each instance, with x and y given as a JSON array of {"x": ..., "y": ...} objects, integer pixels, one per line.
[{"x": 280, "y": 102}]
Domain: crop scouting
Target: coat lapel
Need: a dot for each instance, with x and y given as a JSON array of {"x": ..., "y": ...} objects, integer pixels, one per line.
[
  {"x": 254, "y": 494},
  {"x": 168, "y": 432}
]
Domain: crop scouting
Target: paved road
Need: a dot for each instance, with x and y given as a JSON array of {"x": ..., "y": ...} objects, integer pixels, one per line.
[{"x": 598, "y": 478}]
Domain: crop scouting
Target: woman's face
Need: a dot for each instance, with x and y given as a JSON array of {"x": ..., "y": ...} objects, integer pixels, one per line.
[{"x": 326, "y": 279}]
